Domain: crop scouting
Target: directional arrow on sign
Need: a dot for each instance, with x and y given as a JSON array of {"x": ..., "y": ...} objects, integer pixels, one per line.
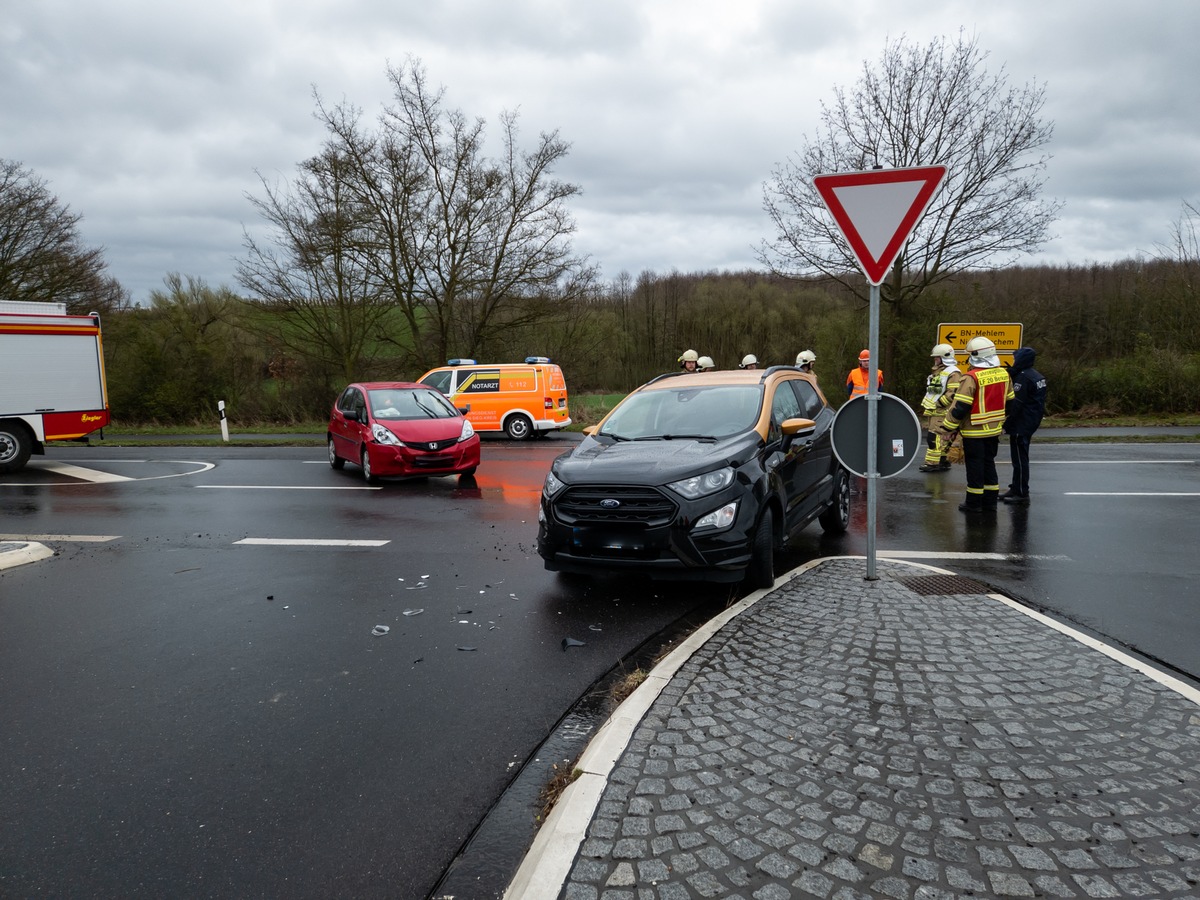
[{"x": 878, "y": 209}]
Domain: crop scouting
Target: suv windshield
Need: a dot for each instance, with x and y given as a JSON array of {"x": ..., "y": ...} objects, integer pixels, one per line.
[{"x": 713, "y": 411}]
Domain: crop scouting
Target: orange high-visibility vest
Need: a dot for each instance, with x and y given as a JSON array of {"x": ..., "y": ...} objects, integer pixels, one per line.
[{"x": 857, "y": 380}]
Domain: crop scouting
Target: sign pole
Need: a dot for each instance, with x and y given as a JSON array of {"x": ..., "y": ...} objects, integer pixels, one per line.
[{"x": 872, "y": 432}]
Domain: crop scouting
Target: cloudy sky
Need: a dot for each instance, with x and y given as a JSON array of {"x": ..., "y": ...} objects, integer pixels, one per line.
[{"x": 151, "y": 118}]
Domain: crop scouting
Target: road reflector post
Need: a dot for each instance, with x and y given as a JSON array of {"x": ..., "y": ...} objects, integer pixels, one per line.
[{"x": 224, "y": 424}]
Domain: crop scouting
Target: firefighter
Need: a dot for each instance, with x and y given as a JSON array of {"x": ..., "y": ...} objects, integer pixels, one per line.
[
  {"x": 705, "y": 364},
  {"x": 749, "y": 361},
  {"x": 856, "y": 381},
  {"x": 977, "y": 413},
  {"x": 689, "y": 360},
  {"x": 940, "y": 387},
  {"x": 805, "y": 360}
]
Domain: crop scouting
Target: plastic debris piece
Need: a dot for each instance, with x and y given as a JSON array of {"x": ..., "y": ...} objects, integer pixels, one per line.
[
  {"x": 413, "y": 612},
  {"x": 270, "y": 596},
  {"x": 419, "y": 586},
  {"x": 571, "y": 642},
  {"x": 467, "y": 649},
  {"x": 380, "y": 630},
  {"x": 595, "y": 628}
]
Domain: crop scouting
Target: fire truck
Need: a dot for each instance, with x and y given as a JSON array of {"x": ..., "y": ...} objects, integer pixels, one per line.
[{"x": 51, "y": 379}]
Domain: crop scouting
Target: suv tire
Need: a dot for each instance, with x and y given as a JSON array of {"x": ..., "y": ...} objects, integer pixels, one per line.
[
  {"x": 761, "y": 571},
  {"x": 836, "y": 519}
]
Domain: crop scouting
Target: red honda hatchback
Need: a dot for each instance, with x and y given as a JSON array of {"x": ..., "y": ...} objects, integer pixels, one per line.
[{"x": 401, "y": 429}]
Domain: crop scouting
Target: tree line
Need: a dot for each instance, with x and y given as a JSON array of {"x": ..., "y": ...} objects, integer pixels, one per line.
[{"x": 402, "y": 243}]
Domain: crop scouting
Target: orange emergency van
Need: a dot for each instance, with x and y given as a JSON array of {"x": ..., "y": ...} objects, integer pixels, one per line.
[{"x": 520, "y": 399}]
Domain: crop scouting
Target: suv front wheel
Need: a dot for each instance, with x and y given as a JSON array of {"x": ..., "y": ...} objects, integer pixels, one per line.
[
  {"x": 761, "y": 571},
  {"x": 836, "y": 519}
]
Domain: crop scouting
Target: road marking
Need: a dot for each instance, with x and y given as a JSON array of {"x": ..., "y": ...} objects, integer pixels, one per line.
[
  {"x": 308, "y": 542},
  {"x": 81, "y": 473},
  {"x": 284, "y": 487},
  {"x": 1112, "y": 462},
  {"x": 1130, "y": 494},
  {"x": 936, "y": 554},
  {"x": 72, "y": 538}
]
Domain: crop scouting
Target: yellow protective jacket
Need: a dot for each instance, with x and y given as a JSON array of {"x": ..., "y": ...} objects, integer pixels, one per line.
[
  {"x": 940, "y": 388},
  {"x": 977, "y": 410}
]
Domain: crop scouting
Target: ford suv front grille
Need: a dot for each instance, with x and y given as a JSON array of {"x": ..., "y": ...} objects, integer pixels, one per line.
[{"x": 614, "y": 505}]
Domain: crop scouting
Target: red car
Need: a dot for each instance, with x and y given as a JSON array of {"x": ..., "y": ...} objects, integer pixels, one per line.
[{"x": 402, "y": 429}]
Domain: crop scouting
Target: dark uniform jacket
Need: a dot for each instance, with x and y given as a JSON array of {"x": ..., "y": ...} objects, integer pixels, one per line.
[{"x": 1025, "y": 411}]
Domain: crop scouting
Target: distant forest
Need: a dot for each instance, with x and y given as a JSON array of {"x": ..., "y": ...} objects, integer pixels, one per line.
[{"x": 1118, "y": 338}]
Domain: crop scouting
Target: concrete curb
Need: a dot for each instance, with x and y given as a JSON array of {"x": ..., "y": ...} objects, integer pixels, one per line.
[{"x": 21, "y": 552}]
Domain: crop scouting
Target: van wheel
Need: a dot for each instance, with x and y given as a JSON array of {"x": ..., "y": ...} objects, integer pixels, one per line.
[
  {"x": 518, "y": 427},
  {"x": 836, "y": 519},
  {"x": 335, "y": 461},
  {"x": 16, "y": 444},
  {"x": 761, "y": 572}
]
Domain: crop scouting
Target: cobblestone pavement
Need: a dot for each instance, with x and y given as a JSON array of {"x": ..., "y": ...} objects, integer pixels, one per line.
[{"x": 846, "y": 739}]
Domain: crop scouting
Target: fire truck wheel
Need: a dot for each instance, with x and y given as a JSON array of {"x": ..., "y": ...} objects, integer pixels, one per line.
[{"x": 16, "y": 443}]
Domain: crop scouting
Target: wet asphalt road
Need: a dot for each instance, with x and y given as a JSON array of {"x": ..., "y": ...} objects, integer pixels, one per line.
[{"x": 187, "y": 714}]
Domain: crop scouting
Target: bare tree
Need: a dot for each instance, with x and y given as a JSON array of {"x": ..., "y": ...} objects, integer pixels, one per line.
[
  {"x": 314, "y": 270},
  {"x": 933, "y": 105},
  {"x": 42, "y": 258},
  {"x": 462, "y": 245}
]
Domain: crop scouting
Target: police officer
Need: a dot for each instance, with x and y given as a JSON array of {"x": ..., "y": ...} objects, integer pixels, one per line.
[
  {"x": 940, "y": 387},
  {"x": 977, "y": 412},
  {"x": 1024, "y": 416}
]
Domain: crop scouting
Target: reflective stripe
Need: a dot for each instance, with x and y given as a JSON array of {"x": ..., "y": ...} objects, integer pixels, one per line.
[{"x": 987, "y": 408}]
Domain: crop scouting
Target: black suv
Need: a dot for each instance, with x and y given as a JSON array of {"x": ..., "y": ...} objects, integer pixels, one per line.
[{"x": 697, "y": 476}]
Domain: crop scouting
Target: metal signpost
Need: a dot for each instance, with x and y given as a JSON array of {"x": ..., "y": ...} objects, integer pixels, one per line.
[{"x": 876, "y": 211}]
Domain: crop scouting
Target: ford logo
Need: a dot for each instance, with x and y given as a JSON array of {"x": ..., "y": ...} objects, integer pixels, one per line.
[{"x": 609, "y": 504}]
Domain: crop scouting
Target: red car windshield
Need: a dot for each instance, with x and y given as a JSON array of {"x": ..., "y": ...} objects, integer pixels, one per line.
[{"x": 397, "y": 404}]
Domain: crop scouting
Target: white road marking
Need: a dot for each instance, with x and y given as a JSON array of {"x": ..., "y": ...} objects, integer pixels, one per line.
[
  {"x": 71, "y": 538},
  {"x": 308, "y": 542},
  {"x": 284, "y": 487},
  {"x": 81, "y": 473},
  {"x": 1130, "y": 494},
  {"x": 1112, "y": 462},
  {"x": 937, "y": 554}
]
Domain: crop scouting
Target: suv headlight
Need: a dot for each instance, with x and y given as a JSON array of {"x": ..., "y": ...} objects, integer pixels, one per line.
[
  {"x": 702, "y": 485},
  {"x": 553, "y": 484},
  {"x": 383, "y": 436}
]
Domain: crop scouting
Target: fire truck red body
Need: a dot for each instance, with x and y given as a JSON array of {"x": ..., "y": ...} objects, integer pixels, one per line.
[{"x": 51, "y": 379}]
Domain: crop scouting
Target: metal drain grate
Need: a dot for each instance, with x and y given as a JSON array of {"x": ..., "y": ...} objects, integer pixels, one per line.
[{"x": 931, "y": 585}]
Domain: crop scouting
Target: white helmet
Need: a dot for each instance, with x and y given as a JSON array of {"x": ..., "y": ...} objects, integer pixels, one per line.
[
  {"x": 981, "y": 346},
  {"x": 704, "y": 363},
  {"x": 748, "y": 360},
  {"x": 688, "y": 356},
  {"x": 940, "y": 350},
  {"x": 805, "y": 358}
]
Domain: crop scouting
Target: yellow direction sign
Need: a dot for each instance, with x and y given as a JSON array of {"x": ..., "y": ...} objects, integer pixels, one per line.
[{"x": 1005, "y": 335}]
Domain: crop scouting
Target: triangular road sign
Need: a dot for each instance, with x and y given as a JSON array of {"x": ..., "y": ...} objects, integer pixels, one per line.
[{"x": 878, "y": 209}]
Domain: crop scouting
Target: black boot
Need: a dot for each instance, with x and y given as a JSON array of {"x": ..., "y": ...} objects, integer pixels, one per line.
[
  {"x": 991, "y": 500},
  {"x": 973, "y": 504}
]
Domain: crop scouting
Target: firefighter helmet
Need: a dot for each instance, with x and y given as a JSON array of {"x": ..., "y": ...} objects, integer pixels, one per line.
[
  {"x": 688, "y": 356},
  {"x": 981, "y": 346},
  {"x": 805, "y": 358},
  {"x": 940, "y": 350},
  {"x": 748, "y": 361},
  {"x": 705, "y": 363}
]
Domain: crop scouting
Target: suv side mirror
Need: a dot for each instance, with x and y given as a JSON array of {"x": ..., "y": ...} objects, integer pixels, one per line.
[{"x": 794, "y": 428}]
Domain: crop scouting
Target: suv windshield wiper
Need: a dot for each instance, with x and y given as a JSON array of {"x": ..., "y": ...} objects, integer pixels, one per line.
[{"x": 678, "y": 437}]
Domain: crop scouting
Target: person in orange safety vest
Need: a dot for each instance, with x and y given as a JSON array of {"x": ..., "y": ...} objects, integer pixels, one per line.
[
  {"x": 858, "y": 379},
  {"x": 977, "y": 413}
]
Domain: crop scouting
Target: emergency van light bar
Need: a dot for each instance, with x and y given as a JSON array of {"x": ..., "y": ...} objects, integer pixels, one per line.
[
  {"x": 460, "y": 362},
  {"x": 537, "y": 360}
]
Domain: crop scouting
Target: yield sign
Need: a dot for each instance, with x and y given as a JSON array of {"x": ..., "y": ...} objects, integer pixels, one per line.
[{"x": 878, "y": 209}]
